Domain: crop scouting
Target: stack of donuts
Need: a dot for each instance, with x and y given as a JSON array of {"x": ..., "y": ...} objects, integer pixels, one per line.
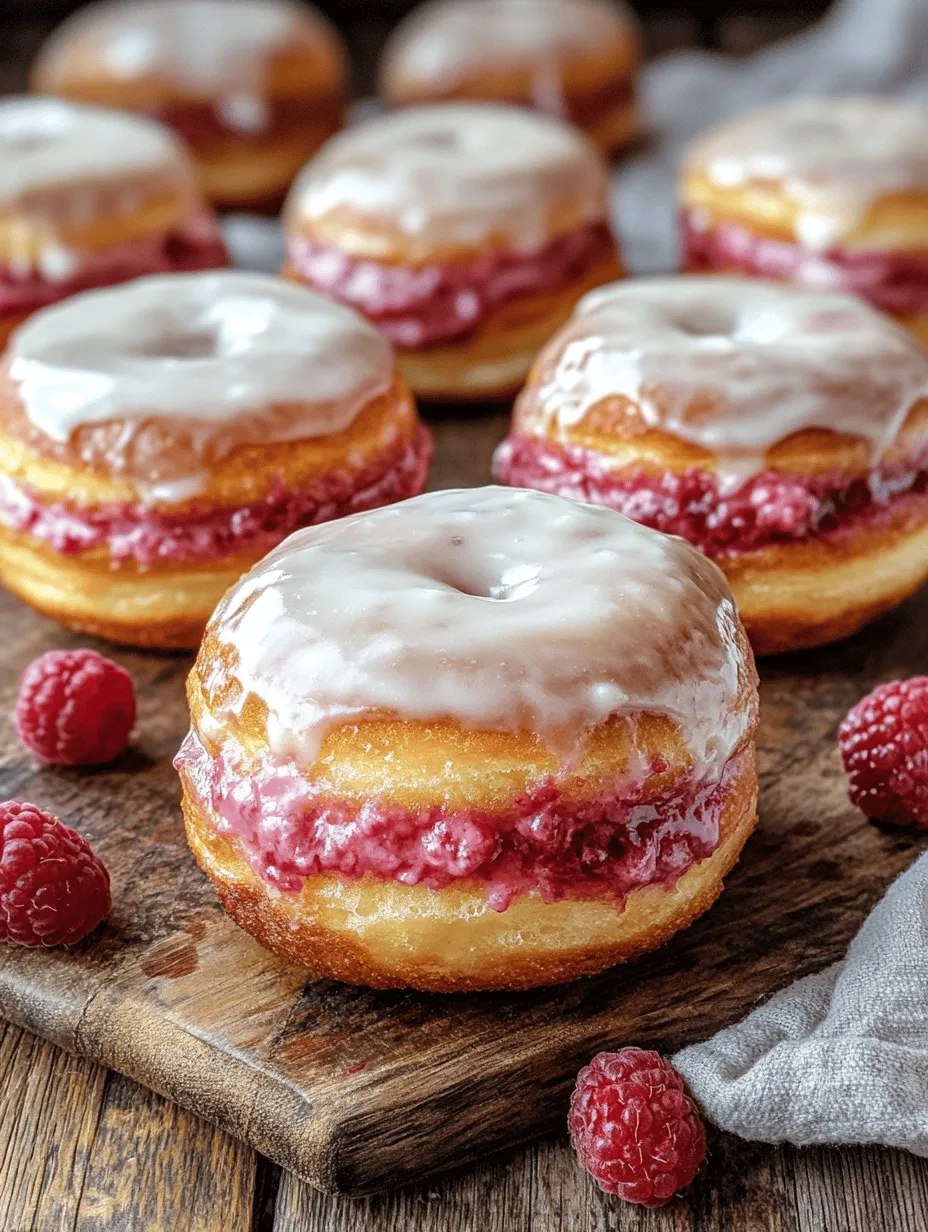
[{"x": 464, "y": 739}]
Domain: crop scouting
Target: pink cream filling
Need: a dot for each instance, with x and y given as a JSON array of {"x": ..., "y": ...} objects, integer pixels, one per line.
[
  {"x": 769, "y": 509},
  {"x": 561, "y": 847},
  {"x": 147, "y": 536},
  {"x": 896, "y": 282},
  {"x": 197, "y": 246},
  {"x": 418, "y": 306}
]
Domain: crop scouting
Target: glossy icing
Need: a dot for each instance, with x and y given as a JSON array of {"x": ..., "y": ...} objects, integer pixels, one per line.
[
  {"x": 834, "y": 158},
  {"x": 456, "y": 174},
  {"x": 733, "y": 365},
  {"x": 48, "y": 146},
  {"x": 228, "y": 357},
  {"x": 206, "y": 45},
  {"x": 445, "y": 41},
  {"x": 503, "y": 610}
]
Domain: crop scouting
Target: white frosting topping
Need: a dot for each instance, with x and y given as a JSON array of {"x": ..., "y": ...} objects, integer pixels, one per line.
[
  {"x": 446, "y": 39},
  {"x": 834, "y": 158},
  {"x": 503, "y": 610},
  {"x": 734, "y": 365},
  {"x": 47, "y": 145},
  {"x": 211, "y": 351},
  {"x": 457, "y": 173},
  {"x": 205, "y": 44}
]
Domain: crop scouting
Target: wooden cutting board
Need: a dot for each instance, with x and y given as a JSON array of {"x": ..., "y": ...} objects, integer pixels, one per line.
[{"x": 356, "y": 1090}]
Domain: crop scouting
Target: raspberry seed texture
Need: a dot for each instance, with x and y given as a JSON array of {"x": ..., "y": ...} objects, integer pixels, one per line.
[
  {"x": 636, "y": 1130},
  {"x": 884, "y": 747},
  {"x": 75, "y": 708},
  {"x": 53, "y": 889}
]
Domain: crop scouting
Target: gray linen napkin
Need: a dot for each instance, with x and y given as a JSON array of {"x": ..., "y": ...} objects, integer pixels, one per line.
[{"x": 838, "y": 1057}]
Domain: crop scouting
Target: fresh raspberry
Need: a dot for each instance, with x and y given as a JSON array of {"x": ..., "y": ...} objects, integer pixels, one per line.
[
  {"x": 637, "y": 1132},
  {"x": 884, "y": 747},
  {"x": 53, "y": 889},
  {"x": 75, "y": 707}
]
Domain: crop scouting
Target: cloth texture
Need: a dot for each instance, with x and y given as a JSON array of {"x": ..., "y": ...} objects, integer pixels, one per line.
[{"x": 840, "y": 1056}]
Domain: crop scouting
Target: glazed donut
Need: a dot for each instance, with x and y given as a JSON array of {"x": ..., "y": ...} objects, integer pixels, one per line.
[
  {"x": 831, "y": 194},
  {"x": 575, "y": 59},
  {"x": 88, "y": 198},
  {"x": 465, "y": 232},
  {"x": 253, "y": 86},
  {"x": 482, "y": 739},
  {"x": 784, "y": 432},
  {"x": 156, "y": 439}
]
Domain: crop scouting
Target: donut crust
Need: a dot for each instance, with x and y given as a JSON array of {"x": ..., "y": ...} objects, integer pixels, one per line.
[
  {"x": 587, "y": 79},
  {"x": 795, "y": 595},
  {"x": 387, "y": 935},
  {"x": 164, "y": 605},
  {"x": 237, "y": 169}
]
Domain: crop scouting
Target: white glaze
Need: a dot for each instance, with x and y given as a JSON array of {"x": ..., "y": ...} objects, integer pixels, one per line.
[
  {"x": 47, "y": 146},
  {"x": 446, "y": 40},
  {"x": 503, "y": 610},
  {"x": 208, "y": 351},
  {"x": 456, "y": 173},
  {"x": 734, "y": 365},
  {"x": 206, "y": 45},
  {"x": 834, "y": 158}
]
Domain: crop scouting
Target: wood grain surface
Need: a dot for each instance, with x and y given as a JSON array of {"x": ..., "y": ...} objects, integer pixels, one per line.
[
  {"x": 355, "y": 1090},
  {"x": 169, "y": 1173}
]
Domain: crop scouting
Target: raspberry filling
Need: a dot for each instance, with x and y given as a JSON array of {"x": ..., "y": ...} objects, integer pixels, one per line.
[
  {"x": 147, "y": 536},
  {"x": 767, "y": 510},
  {"x": 561, "y": 847},
  {"x": 896, "y": 282},
  {"x": 244, "y": 118},
  {"x": 418, "y": 306},
  {"x": 197, "y": 246}
]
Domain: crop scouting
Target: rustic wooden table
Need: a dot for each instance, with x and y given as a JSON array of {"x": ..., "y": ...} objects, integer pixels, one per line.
[{"x": 83, "y": 1150}]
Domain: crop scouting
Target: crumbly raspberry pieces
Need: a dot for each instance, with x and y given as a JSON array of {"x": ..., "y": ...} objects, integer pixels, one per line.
[
  {"x": 53, "y": 889},
  {"x": 75, "y": 708},
  {"x": 637, "y": 1132},
  {"x": 884, "y": 747}
]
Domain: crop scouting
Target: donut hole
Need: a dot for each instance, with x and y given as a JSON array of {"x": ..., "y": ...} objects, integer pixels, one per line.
[
  {"x": 438, "y": 139},
  {"x": 704, "y": 321},
  {"x": 184, "y": 344},
  {"x": 482, "y": 579}
]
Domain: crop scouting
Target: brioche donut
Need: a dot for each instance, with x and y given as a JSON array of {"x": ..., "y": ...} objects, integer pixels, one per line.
[
  {"x": 574, "y": 59},
  {"x": 784, "y": 432},
  {"x": 830, "y": 193},
  {"x": 465, "y": 232},
  {"x": 158, "y": 438},
  {"x": 253, "y": 86},
  {"x": 482, "y": 739},
  {"x": 89, "y": 198}
]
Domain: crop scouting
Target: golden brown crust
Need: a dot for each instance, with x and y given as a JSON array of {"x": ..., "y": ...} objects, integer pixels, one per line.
[
  {"x": 896, "y": 220},
  {"x": 808, "y": 594},
  {"x": 81, "y": 471},
  {"x": 163, "y": 608},
  {"x": 312, "y": 65},
  {"x": 236, "y": 169},
  {"x": 615, "y": 428},
  {"x": 388, "y": 935},
  {"x": 163, "y": 605},
  {"x": 493, "y": 361}
]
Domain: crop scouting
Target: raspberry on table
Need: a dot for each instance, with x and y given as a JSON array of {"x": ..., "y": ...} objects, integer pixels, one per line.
[
  {"x": 53, "y": 889},
  {"x": 636, "y": 1130},
  {"x": 884, "y": 747},
  {"x": 75, "y": 708}
]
